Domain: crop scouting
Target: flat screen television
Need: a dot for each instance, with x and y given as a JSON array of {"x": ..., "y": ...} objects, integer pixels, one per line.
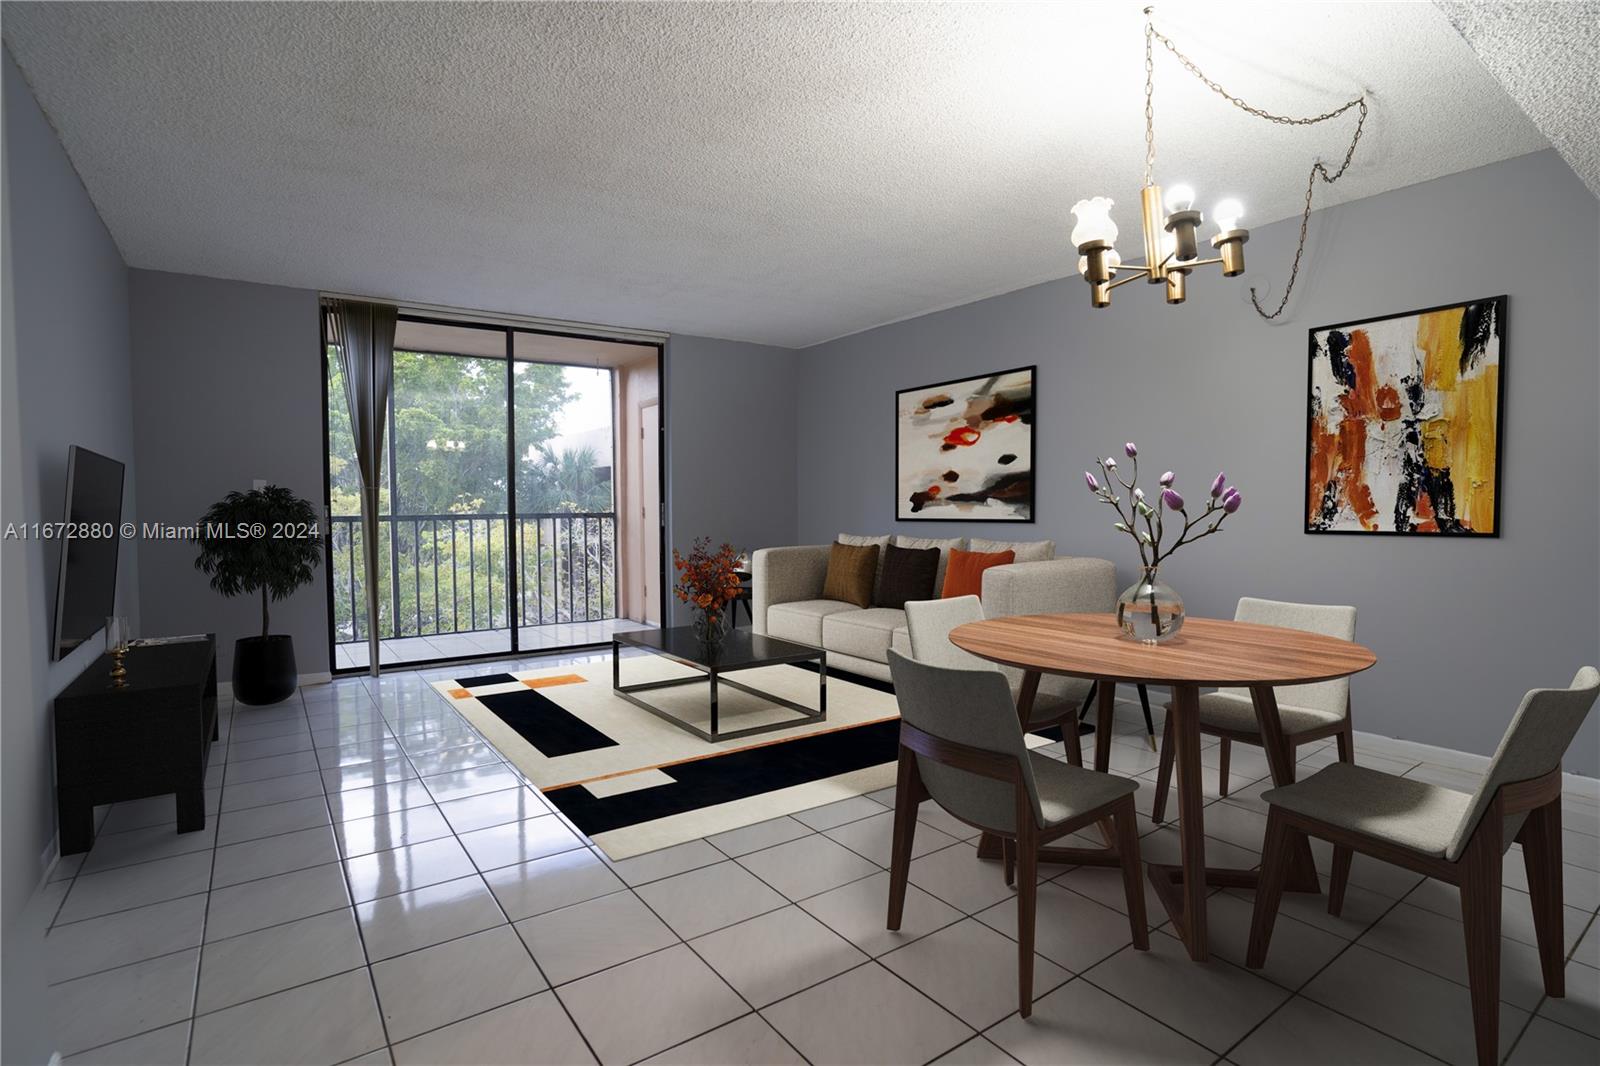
[{"x": 86, "y": 587}]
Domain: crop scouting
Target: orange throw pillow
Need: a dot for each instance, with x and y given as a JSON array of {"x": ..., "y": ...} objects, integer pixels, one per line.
[{"x": 964, "y": 575}]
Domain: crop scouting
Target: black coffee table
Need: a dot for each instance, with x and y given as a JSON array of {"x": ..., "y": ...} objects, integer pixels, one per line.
[{"x": 742, "y": 649}]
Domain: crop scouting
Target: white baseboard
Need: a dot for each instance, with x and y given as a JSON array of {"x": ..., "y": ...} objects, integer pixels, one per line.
[
  {"x": 48, "y": 859},
  {"x": 225, "y": 688},
  {"x": 1463, "y": 760},
  {"x": 1471, "y": 762}
]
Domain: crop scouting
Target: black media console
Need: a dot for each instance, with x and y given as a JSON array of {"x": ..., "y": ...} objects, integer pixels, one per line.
[{"x": 151, "y": 737}]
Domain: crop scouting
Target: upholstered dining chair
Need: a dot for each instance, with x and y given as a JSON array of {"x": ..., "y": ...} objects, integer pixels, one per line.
[
  {"x": 962, "y": 746},
  {"x": 1308, "y": 712},
  {"x": 928, "y": 624},
  {"x": 1455, "y": 837}
]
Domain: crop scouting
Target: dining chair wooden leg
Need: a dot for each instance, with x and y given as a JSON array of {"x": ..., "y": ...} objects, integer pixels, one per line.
[
  {"x": 1222, "y": 766},
  {"x": 1027, "y": 845},
  {"x": 1279, "y": 749},
  {"x": 1158, "y": 812},
  {"x": 1072, "y": 742},
  {"x": 1008, "y": 852},
  {"x": 1127, "y": 820},
  {"x": 1088, "y": 701},
  {"x": 1149, "y": 722},
  {"x": 1480, "y": 914},
  {"x": 1541, "y": 857},
  {"x": 907, "y": 794},
  {"x": 1338, "y": 878},
  {"x": 1275, "y": 862}
]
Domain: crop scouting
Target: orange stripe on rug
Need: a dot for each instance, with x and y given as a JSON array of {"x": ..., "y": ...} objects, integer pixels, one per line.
[
  {"x": 460, "y": 694},
  {"x": 559, "y": 679}
]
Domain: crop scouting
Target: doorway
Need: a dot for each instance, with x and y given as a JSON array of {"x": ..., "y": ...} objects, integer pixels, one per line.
[
  {"x": 650, "y": 512},
  {"x": 499, "y": 526}
]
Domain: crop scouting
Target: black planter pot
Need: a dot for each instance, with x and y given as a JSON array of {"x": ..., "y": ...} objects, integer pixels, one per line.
[{"x": 263, "y": 669}]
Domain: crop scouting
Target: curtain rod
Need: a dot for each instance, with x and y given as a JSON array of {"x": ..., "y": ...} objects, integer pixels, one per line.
[{"x": 464, "y": 315}]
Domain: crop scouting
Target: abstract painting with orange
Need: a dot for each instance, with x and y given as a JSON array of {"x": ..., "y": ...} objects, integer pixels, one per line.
[
  {"x": 1404, "y": 423},
  {"x": 964, "y": 449}
]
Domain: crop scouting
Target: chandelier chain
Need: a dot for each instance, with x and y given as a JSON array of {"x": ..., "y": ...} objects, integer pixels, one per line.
[
  {"x": 1286, "y": 120},
  {"x": 1149, "y": 104},
  {"x": 1318, "y": 169}
]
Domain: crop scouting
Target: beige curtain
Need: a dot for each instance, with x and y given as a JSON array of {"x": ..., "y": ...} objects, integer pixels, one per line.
[{"x": 364, "y": 333}]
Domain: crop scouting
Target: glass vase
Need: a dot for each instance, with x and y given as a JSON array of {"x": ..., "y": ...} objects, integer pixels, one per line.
[
  {"x": 1149, "y": 611},
  {"x": 710, "y": 627}
]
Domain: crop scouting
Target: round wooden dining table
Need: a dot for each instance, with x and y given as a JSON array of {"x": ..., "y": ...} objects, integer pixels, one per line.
[{"x": 1207, "y": 652}]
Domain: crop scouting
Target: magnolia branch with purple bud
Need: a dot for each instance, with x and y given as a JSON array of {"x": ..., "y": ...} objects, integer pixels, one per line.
[{"x": 1224, "y": 500}]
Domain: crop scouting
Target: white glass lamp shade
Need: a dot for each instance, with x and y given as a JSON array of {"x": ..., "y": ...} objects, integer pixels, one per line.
[
  {"x": 1180, "y": 198},
  {"x": 1093, "y": 222},
  {"x": 1113, "y": 261},
  {"x": 1227, "y": 214}
]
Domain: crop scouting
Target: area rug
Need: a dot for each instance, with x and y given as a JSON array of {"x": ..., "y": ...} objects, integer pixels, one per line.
[{"x": 633, "y": 783}]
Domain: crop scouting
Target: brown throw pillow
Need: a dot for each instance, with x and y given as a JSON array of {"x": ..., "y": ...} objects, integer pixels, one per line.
[
  {"x": 908, "y": 574},
  {"x": 850, "y": 573}
]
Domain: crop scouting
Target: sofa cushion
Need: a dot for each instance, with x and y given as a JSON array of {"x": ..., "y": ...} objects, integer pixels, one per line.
[
  {"x": 858, "y": 540},
  {"x": 965, "y": 575},
  {"x": 864, "y": 634},
  {"x": 852, "y": 571},
  {"x": 945, "y": 545},
  {"x": 1027, "y": 551},
  {"x": 908, "y": 574},
  {"x": 801, "y": 620}
]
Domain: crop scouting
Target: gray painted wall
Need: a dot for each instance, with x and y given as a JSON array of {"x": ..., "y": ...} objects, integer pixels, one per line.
[
  {"x": 1461, "y": 628},
  {"x": 228, "y": 388},
  {"x": 236, "y": 365},
  {"x": 731, "y": 438},
  {"x": 66, "y": 381}
]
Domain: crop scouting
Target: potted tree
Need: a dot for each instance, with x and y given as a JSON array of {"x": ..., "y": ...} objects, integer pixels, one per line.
[{"x": 265, "y": 540}]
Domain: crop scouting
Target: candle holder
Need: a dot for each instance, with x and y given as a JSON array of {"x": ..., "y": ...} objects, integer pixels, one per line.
[{"x": 117, "y": 634}]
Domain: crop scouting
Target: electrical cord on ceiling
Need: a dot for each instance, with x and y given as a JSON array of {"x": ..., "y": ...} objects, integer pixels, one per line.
[{"x": 1318, "y": 168}]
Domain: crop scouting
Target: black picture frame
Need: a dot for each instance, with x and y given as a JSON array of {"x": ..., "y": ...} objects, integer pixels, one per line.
[
  {"x": 1500, "y": 303},
  {"x": 942, "y": 515}
]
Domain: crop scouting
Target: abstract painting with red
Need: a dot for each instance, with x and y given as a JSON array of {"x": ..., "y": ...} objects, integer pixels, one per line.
[{"x": 965, "y": 449}]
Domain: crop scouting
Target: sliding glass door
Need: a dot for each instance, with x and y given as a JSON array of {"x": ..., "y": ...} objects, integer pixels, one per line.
[{"x": 498, "y": 527}]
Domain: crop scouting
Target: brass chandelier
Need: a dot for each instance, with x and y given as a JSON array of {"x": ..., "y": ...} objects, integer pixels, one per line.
[{"x": 1170, "y": 223}]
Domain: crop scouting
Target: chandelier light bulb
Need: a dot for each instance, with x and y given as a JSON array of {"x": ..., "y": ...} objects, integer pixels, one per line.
[
  {"x": 1227, "y": 215},
  {"x": 1093, "y": 222},
  {"x": 1180, "y": 198}
]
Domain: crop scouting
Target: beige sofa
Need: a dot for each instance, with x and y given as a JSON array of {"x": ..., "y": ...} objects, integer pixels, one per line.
[{"x": 786, "y": 600}]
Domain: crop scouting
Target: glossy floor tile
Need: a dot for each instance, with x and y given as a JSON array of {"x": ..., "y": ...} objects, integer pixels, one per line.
[
  {"x": 374, "y": 884},
  {"x": 776, "y": 954},
  {"x": 444, "y": 983}
]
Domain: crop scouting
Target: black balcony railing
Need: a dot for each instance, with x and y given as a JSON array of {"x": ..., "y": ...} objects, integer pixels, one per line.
[{"x": 454, "y": 573}]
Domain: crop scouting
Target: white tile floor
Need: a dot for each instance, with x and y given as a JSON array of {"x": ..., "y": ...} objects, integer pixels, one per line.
[{"x": 375, "y": 885}]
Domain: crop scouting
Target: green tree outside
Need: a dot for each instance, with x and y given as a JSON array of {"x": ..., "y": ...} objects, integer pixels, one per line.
[{"x": 450, "y": 567}]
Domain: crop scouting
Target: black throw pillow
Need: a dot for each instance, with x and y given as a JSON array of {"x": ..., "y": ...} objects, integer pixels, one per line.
[{"x": 908, "y": 574}]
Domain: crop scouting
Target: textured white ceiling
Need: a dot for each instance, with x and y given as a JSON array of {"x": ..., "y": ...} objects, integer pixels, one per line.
[
  {"x": 1547, "y": 56},
  {"x": 782, "y": 173}
]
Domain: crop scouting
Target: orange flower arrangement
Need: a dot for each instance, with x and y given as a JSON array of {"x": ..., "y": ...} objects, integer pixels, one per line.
[{"x": 707, "y": 580}]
